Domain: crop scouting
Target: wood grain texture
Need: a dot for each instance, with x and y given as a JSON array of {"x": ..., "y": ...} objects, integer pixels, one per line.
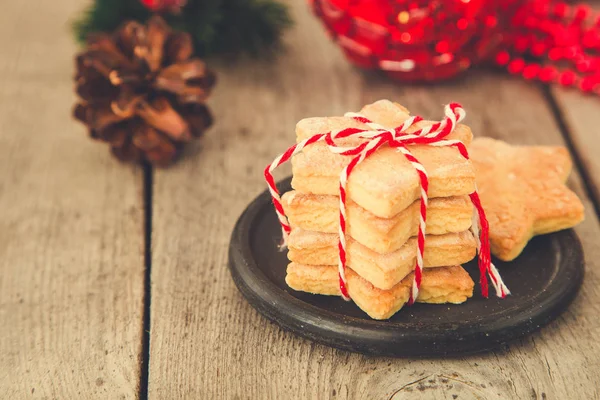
[
  {"x": 71, "y": 227},
  {"x": 207, "y": 342},
  {"x": 582, "y": 119}
]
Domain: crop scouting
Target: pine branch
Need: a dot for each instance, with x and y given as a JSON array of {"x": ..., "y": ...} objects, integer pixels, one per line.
[
  {"x": 217, "y": 26},
  {"x": 265, "y": 18},
  {"x": 107, "y": 15}
]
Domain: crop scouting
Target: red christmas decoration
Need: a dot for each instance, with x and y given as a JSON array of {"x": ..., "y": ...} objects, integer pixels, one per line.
[
  {"x": 429, "y": 40},
  {"x": 172, "y": 6}
]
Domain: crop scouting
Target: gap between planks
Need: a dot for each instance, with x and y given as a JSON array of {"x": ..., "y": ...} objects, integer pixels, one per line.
[{"x": 145, "y": 355}]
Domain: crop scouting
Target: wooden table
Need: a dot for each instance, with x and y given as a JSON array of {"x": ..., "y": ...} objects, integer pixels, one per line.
[{"x": 113, "y": 279}]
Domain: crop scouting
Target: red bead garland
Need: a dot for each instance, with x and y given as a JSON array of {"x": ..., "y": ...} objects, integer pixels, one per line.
[
  {"x": 415, "y": 40},
  {"x": 554, "y": 42}
]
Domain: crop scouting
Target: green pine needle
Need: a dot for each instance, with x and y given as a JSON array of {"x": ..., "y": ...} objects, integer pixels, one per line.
[{"x": 218, "y": 27}]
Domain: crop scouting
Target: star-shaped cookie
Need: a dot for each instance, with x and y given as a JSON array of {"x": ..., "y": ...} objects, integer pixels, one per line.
[{"x": 523, "y": 192}]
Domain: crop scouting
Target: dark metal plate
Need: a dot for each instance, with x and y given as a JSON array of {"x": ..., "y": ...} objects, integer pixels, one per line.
[{"x": 543, "y": 281}]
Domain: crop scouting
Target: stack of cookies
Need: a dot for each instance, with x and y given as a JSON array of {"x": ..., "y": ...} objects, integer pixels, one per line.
[{"x": 382, "y": 218}]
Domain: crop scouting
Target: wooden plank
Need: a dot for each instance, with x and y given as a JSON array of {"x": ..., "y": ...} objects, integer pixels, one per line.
[
  {"x": 71, "y": 227},
  {"x": 581, "y": 115},
  {"x": 207, "y": 342}
]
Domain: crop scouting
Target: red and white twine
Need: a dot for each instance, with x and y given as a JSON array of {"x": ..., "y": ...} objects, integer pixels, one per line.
[{"x": 375, "y": 137}]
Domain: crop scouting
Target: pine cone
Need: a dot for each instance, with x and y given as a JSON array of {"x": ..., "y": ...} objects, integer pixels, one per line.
[{"x": 142, "y": 92}]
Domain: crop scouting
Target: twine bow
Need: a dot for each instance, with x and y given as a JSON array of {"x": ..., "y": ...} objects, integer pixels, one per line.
[{"x": 374, "y": 138}]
